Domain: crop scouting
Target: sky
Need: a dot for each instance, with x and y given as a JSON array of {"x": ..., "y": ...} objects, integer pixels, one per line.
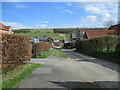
[{"x": 59, "y": 14}]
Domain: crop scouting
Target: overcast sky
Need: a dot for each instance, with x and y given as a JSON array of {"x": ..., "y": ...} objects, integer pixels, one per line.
[{"x": 58, "y": 14}]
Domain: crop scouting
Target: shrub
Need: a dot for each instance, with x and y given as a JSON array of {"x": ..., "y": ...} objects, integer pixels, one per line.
[
  {"x": 98, "y": 44},
  {"x": 111, "y": 42},
  {"x": 117, "y": 48},
  {"x": 41, "y": 47},
  {"x": 15, "y": 50}
]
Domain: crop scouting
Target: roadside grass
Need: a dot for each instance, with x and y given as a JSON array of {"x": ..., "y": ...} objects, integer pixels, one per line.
[
  {"x": 108, "y": 56},
  {"x": 88, "y": 85},
  {"x": 44, "y": 54},
  {"x": 48, "y": 34},
  {"x": 59, "y": 53},
  {"x": 11, "y": 81}
]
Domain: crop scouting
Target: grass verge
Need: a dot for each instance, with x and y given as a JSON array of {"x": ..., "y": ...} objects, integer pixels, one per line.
[
  {"x": 108, "y": 56},
  {"x": 13, "y": 80},
  {"x": 59, "y": 53},
  {"x": 44, "y": 54}
]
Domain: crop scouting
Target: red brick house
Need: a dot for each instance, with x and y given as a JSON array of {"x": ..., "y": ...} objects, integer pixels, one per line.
[{"x": 5, "y": 29}]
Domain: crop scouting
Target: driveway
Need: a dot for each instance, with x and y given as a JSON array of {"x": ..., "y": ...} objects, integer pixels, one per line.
[{"x": 71, "y": 72}]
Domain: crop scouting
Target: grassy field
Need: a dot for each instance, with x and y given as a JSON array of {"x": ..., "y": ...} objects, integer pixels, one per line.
[
  {"x": 48, "y": 34},
  {"x": 11, "y": 81},
  {"x": 68, "y": 36},
  {"x": 59, "y": 53},
  {"x": 45, "y": 54}
]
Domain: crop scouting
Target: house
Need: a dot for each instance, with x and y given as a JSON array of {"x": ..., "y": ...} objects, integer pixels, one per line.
[
  {"x": 45, "y": 39},
  {"x": 8, "y": 28},
  {"x": 5, "y": 29},
  {"x": 115, "y": 27},
  {"x": 90, "y": 34}
]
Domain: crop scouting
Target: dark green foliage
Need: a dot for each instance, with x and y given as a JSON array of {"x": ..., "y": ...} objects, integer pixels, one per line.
[
  {"x": 68, "y": 45},
  {"x": 111, "y": 42},
  {"x": 106, "y": 48},
  {"x": 117, "y": 48},
  {"x": 98, "y": 44}
]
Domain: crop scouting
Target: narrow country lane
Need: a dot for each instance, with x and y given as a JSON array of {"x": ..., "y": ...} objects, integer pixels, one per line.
[{"x": 69, "y": 73}]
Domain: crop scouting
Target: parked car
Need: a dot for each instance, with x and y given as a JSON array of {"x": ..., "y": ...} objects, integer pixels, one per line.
[
  {"x": 34, "y": 40},
  {"x": 58, "y": 44}
]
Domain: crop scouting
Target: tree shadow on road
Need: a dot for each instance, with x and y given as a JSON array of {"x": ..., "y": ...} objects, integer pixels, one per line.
[
  {"x": 113, "y": 85},
  {"x": 84, "y": 58}
]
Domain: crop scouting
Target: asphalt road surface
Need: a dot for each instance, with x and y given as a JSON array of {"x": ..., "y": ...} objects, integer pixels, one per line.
[{"x": 71, "y": 72}]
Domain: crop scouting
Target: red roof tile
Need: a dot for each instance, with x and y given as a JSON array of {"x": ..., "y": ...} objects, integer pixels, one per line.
[
  {"x": 99, "y": 33},
  {"x": 4, "y": 29}
]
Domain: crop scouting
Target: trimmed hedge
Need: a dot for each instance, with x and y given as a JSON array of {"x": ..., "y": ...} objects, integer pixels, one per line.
[
  {"x": 16, "y": 49},
  {"x": 41, "y": 47},
  {"x": 118, "y": 47},
  {"x": 107, "y": 43}
]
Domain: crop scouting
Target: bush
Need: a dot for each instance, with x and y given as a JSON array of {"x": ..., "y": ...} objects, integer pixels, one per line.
[
  {"x": 41, "y": 47},
  {"x": 117, "y": 48},
  {"x": 15, "y": 50},
  {"x": 111, "y": 43},
  {"x": 98, "y": 44}
]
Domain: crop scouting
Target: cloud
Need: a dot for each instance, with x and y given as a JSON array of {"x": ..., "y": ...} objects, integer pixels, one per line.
[
  {"x": 93, "y": 18},
  {"x": 69, "y": 4},
  {"x": 69, "y": 11},
  {"x": 22, "y": 6},
  {"x": 14, "y": 25},
  {"x": 41, "y": 25},
  {"x": 104, "y": 12},
  {"x": 92, "y": 9},
  {"x": 45, "y": 22}
]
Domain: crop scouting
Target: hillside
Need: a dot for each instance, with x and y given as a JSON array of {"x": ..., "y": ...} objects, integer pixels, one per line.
[{"x": 48, "y": 34}]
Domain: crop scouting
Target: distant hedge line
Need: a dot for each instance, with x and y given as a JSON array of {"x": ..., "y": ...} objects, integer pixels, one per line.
[
  {"x": 41, "y": 47},
  {"x": 15, "y": 50},
  {"x": 108, "y": 43}
]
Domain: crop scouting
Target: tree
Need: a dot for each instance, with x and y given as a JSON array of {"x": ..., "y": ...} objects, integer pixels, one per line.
[{"x": 109, "y": 23}]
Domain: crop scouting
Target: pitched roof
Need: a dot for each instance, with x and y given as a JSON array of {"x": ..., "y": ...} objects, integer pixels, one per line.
[
  {"x": 2, "y": 26},
  {"x": 99, "y": 33},
  {"x": 115, "y": 27}
]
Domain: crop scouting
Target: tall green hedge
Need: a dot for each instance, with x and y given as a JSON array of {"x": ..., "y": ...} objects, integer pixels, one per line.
[
  {"x": 107, "y": 43},
  {"x": 118, "y": 47}
]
